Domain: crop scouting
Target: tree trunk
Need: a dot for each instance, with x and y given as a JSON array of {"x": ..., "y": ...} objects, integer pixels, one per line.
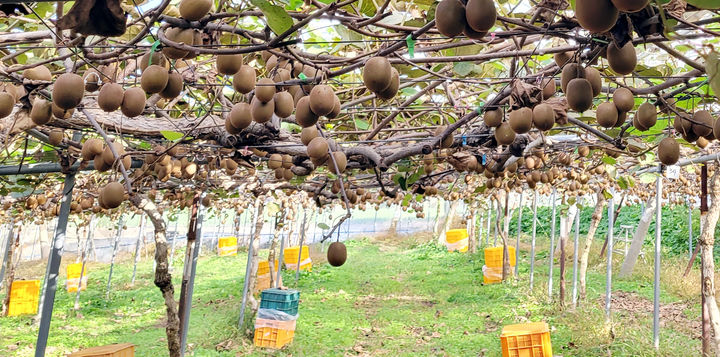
[
  {"x": 565, "y": 229},
  {"x": 503, "y": 237},
  {"x": 707, "y": 242},
  {"x": 448, "y": 222},
  {"x": 163, "y": 278},
  {"x": 252, "y": 303},
  {"x": 395, "y": 220},
  {"x": 638, "y": 239},
  {"x": 10, "y": 270},
  {"x": 438, "y": 221},
  {"x": 583, "y": 259},
  {"x": 272, "y": 255},
  {"x": 472, "y": 244}
]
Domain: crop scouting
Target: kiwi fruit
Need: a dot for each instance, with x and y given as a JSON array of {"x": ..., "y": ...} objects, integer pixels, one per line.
[
  {"x": 336, "y": 108},
  {"x": 275, "y": 161},
  {"x": 265, "y": 90},
  {"x": 304, "y": 116},
  {"x": 704, "y": 117},
  {"x": 322, "y": 100},
  {"x": 38, "y": 73},
  {"x": 669, "y": 151},
  {"x": 623, "y": 99},
  {"x": 154, "y": 79},
  {"x": 450, "y": 17},
  {"x": 570, "y": 72},
  {"x": 56, "y": 137},
  {"x": 337, "y": 254},
  {"x": 230, "y": 128},
  {"x": 308, "y": 133},
  {"x": 244, "y": 79},
  {"x": 7, "y": 103},
  {"x": 92, "y": 80},
  {"x": 179, "y": 35},
  {"x": 284, "y": 104},
  {"x": 377, "y": 73},
  {"x": 472, "y": 34},
  {"x": 61, "y": 113},
  {"x": 287, "y": 174},
  {"x": 548, "y": 87},
  {"x": 173, "y": 87},
  {"x": 113, "y": 194},
  {"x": 480, "y": 15},
  {"x": 133, "y": 102},
  {"x": 583, "y": 151},
  {"x": 41, "y": 111},
  {"x": 318, "y": 148},
  {"x": 340, "y": 161},
  {"x": 390, "y": 92},
  {"x": 157, "y": 58},
  {"x": 228, "y": 64},
  {"x": 606, "y": 115},
  {"x": 521, "y": 120},
  {"x": 493, "y": 118},
  {"x": 448, "y": 140},
  {"x": 110, "y": 97},
  {"x": 579, "y": 94},
  {"x": 596, "y": 16},
  {"x": 543, "y": 116},
  {"x": 562, "y": 58},
  {"x": 193, "y": 10},
  {"x": 108, "y": 155},
  {"x": 593, "y": 76},
  {"x": 622, "y": 60},
  {"x": 504, "y": 135},
  {"x": 716, "y": 128},
  {"x": 646, "y": 117},
  {"x": 287, "y": 161},
  {"x": 271, "y": 63},
  {"x": 68, "y": 90},
  {"x": 262, "y": 112},
  {"x": 630, "y": 5},
  {"x": 240, "y": 116}
]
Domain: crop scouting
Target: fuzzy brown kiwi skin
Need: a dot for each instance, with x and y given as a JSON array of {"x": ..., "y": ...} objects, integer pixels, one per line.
[
  {"x": 304, "y": 116},
  {"x": 704, "y": 117},
  {"x": 521, "y": 120},
  {"x": 450, "y": 17},
  {"x": 377, "y": 74},
  {"x": 262, "y": 112},
  {"x": 173, "y": 87},
  {"x": 265, "y": 90},
  {"x": 493, "y": 118},
  {"x": 110, "y": 97},
  {"x": 7, "y": 103},
  {"x": 41, "y": 112},
  {"x": 133, "y": 102},
  {"x": 68, "y": 90},
  {"x": 623, "y": 99},
  {"x": 543, "y": 117},
  {"x": 668, "y": 151},
  {"x": 244, "y": 79},
  {"x": 622, "y": 60},
  {"x": 579, "y": 94},
  {"x": 480, "y": 14},
  {"x": 596, "y": 16},
  {"x": 570, "y": 72},
  {"x": 284, "y": 104},
  {"x": 504, "y": 135},
  {"x": 322, "y": 100},
  {"x": 607, "y": 115}
]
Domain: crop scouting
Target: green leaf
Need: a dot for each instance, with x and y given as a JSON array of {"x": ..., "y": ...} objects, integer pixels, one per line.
[
  {"x": 171, "y": 135},
  {"x": 712, "y": 67},
  {"x": 406, "y": 200},
  {"x": 609, "y": 160},
  {"x": 704, "y": 4},
  {"x": 323, "y": 226},
  {"x": 648, "y": 177},
  {"x": 607, "y": 194},
  {"x": 361, "y": 124},
  {"x": 277, "y": 18},
  {"x": 463, "y": 68}
]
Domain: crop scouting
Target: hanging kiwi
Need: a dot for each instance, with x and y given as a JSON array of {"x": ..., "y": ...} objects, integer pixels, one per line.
[
  {"x": 133, "y": 103},
  {"x": 570, "y": 72},
  {"x": 284, "y": 104},
  {"x": 61, "y": 113},
  {"x": 113, "y": 194},
  {"x": 336, "y": 108},
  {"x": 193, "y": 10},
  {"x": 548, "y": 87},
  {"x": 304, "y": 116},
  {"x": 318, "y": 148},
  {"x": 92, "y": 80},
  {"x": 645, "y": 117},
  {"x": 55, "y": 137},
  {"x": 704, "y": 123},
  {"x": 307, "y": 134},
  {"x": 7, "y": 103},
  {"x": 595, "y": 79},
  {"x": 337, "y": 254},
  {"x": 606, "y": 115},
  {"x": 504, "y": 135},
  {"x": 262, "y": 112},
  {"x": 623, "y": 99},
  {"x": 265, "y": 90},
  {"x": 179, "y": 35},
  {"x": 448, "y": 140},
  {"x": 377, "y": 73},
  {"x": 157, "y": 58},
  {"x": 68, "y": 90},
  {"x": 110, "y": 97},
  {"x": 244, "y": 79},
  {"x": 173, "y": 87},
  {"x": 41, "y": 111},
  {"x": 154, "y": 79},
  {"x": 228, "y": 64},
  {"x": 450, "y": 17},
  {"x": 493, "y": 118},
  {"x": 596, "y": 16},
  {"x": 630, "y": 5},
  {"x": 340, "y": 161},
  {"x": 389, "y": 92},
  {"x": 521, "y": 120},
  {"x": 472, "y": 34},
  {"x": 481, "y": 15},
  {"x": 322, "y": 100},
  {"x": 240, "y": 116},
  {"x": 543, "y": 116},
  {"x": 38, "y": 73},
  {"x": 622, "y": 60},
  {"x": 562, "y": 58},
  {"x": 579, "y": 94},
  {"x": 669, "y": 151}
]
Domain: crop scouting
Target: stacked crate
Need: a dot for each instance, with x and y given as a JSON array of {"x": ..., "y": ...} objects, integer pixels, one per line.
[
  {"x": 73, "y": 277},
  {"x": 263, "y": 275},
  {"x": 276, "y": 318},
  {"x": 456, "y": 240},
  {"x": 492, "y": 270},
  {"x": 227, "y": 246},
  {"x": 290, "y": 255},
  {"x": 116, "y": 350}
]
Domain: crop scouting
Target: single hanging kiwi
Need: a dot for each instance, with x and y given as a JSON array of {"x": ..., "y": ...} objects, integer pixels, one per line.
[
  {"x": 543, "y": 117},
  {"x": 265, "y": 90},
  {"x": 646, "y": 117},
  {"x": 262, "y": 112},
  {"x": 336, "y": 108},
  {"x": 448, "y": 140},
  {"x": 481, "y": 15},
  {"x": 41, "y": 111},
  {"x": 579, "y": 94},
  {"x": 322, "y": 100},
  {"x": 304, "y": 116},
  {"x": 630, "y": 5},
  {"x": 596, "y": 16},
  {"x": 595, "y": 79},
  {"x": 606, "y": 115},
  {"x": 548, "y": 87},
  {"x": 337, "y": 254},
  {"x": 562, "y": 58},
  {"x": 623, "y": 99},
  {"x": 377, "y": 73},
  {"x": 669, "y": 151},
  {"x": 472, "y": 34},
  {"x": 244, "y": 79},
  {"x": 521, "y": 120},
  {"x": 504, "y": 135},
  {"x": 340, "y": 161},
  {"x": 113, "y": 194},
  {"x": 68, "y": 90},
  {"x": 450, "y": 17},
  {"x": 308, "y": 133},
  {"x": 390, "y": 92},
  {"x": 173, "y": 87},
  {"x": 7, "y": 103},
  {"x": 284, "y": 104},
  {"x": 133, "y": 103},
  {"x": 318, "y": 148},
  {"x": 56, "y": 136},
  {"x": 704, "y": 123},
  {"x": 110, "y": 97},
  {"x": 240, "y": 116},
  {"x": 157, "y": 58},
  {"x": 179, "y": 35},
  {"x": 228, "y": 64},
  {"x": 38, "y": 73},
  {"x": 493, "y": 118},
  {"x": 570, "y": 72},
  {"x": 622, "y": 60},
  {"x": 193, "y": 10}
]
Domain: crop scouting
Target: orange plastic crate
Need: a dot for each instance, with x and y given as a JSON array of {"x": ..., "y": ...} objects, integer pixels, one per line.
[
  {"x": 73, "y": 277},
  {"x": 494, "y": 256},
  {"x": 227, "y": 246},
  {"x": 24, "y": 296},
  {"x": 273, "y": 334},
  {"x": 117, "y": 350},
  {"x": 526, "y": 340}
]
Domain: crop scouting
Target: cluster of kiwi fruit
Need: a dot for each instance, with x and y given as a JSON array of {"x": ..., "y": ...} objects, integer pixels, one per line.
[
  {"x": 102, "y": 156},
  {"x": 282, "y": 165},
  {"x": 381, "y": 78},
  {"x": 11, "y": 94},
  {"x": 473, "y": 19},
  {"x": 8, "y": 97},
  {"x": 520, "y": 121},
  {"x": 599, "y": 16}
]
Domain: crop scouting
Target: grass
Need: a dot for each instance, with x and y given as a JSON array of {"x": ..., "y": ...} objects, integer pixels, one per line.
[{"x": 391, "y": 298}]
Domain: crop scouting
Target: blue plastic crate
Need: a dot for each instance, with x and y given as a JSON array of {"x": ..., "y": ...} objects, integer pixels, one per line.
[{"x": 286, "y": 301}]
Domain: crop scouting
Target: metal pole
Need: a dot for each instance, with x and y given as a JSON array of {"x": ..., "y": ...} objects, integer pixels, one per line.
[
  {"x": 172, "y": 246},
  {"x": 608, "y": 281},
  {"x": 137, "y": 247},
  {"x": 497, "y": 222},
  {"x": 186, "y": 298},
  {"x": 8, "y": 243},
  {"x": 690, "y": 227},
  {"x": 112, "y": 259},
  {"x": 246, "y": 283},
  {"x": 519, "y": 231},
  {"x": 84, "y": 258},
  {"x": 51, "y": 275},
  {"x": 656, "y": 285},
  {"x": 532, "y": 242},
  {"x": 575, "y": 258},
  {"x": 552, "y": 246},
  {"x": 302, "y": 237}
]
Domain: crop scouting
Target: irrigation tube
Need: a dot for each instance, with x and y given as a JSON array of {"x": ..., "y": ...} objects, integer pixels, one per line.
[
  {"x": 551, "y": 255},
  {"x": 112, "y": 259},
  {"x": 575, "y": 258},
  {"x": 656, "y": 284},
  {"x": 532, "y": 242},
  {"x": 137, "y": 247},
  {"x": 517, "y": 241},
  {"x": 608, "y": 280}
]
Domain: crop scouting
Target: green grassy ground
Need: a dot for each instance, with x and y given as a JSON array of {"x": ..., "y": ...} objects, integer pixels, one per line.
[{"x": 398, "y": 299}]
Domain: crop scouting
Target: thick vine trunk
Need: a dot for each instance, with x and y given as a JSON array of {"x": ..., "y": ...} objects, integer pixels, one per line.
[
  {"x": 472, "y": 244},
  {"x": 707, "y": 243},
  {"x": 272, "y": 255},
  {"x": 583, "y": 259},
  {"x": 565, "y": 229},
  {"x": 438, "y": 222},
  {"x": 447, "y": 224},
  {"x": 10, "y": 270},
  {"x": 638, "y": 239},
  {"x": 252, "y": 303},
  {"x": 163, "y": 278}
]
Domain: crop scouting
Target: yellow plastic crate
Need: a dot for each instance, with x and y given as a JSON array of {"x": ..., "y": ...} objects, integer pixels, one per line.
[
  {"x": 273, "y": 334},
  {"x": 290, "y": 256},
  {"x": 117, "y": 350},
  {"x": 24, "y": 296},
  {"x": 494, "y": 256},
  {"x": 264, "y": 267},
  {"x": 493, "y": 275},
  {"x": 456, "y": 240},
  {"x": 227, "y": 246},
  {"x": 262, "y": 283},
  {"x": 73, "y": 277},
  {"x": 526, "y": 340}
]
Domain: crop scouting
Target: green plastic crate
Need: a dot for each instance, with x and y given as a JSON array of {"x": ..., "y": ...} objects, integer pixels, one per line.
[{"x": 286, "y": 301}]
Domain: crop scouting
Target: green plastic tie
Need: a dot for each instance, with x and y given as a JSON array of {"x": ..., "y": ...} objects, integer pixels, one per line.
[
  {"x": 480, "y": 108},
  {"x": 154, "y": 48},
  {"x": 302, "y": 76},
  {"x": 410, "y": 45}
]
